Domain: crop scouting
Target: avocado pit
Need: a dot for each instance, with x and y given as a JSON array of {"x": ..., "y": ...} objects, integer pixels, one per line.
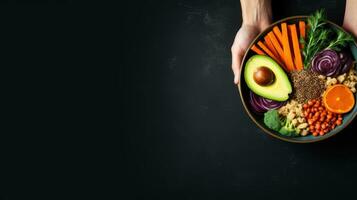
[{"x": 263, "y": 76}]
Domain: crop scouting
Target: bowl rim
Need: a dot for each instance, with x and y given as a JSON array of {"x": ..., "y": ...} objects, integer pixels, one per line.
[{"x": 241, "y": 76}]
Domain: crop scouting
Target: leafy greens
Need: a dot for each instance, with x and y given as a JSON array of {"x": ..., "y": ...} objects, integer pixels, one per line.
[{"x": 320, "y": 37}]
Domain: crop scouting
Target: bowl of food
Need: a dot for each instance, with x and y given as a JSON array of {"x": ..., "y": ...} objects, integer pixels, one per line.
[{"x": 298, "y": 79}]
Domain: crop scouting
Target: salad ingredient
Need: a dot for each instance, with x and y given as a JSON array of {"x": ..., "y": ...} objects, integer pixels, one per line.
[
  {"x": 283, "y": 46},
  {"x": 278, "y": 34},
  {"x": 296, "y": 47},
  {"x": 316, "y": 36},
  {"x": 261, "y": 104},
  {"x": 279, "y": 90},
  {"x": 342, "y": 40},
  {"x": 332, "y": 81},
  {"x": 348, "y": 79},
  {"x": 288, "y": 128},
  {"x": 284, "y": 126},
  {"x": 270, "y": 45},
  {"x": 320, "y": 37},
  {"x": 306, "y": 85},
  {"x": 257, "y": 50},
  {"x": 302, "y": 28},
  {"x": 263, "y": 76},
  {"x": 266, "y": 50},
  {"x": 286, "y": 47},
  {"x": 327, "y": 63},
  {"x": 320, "y": 120},
  {"x": 346, "y": 61},
  {"x": 339, "y": 99},
  {"x": 276, "y": 45},
  {"x": 291, "y": 106},
  {"x": 341, "y": 78},
  {"x": 272, "y": 120},
  {"x": 351, "y": 80},
  {"x": 299, "y": 120}
]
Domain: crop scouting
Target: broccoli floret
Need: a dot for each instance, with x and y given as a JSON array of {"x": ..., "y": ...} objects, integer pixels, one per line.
[
  {"x": 288, "y": 129},
  {"x": 283, "y": 126},
  {"x": 272, "y": 120}
]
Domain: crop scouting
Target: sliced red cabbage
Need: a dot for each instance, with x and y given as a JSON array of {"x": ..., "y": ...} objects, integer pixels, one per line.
[
  {"x": 260, "y": 104},
  {"x": 327, "y": 63},
  {"x": 346, "y": 61}
]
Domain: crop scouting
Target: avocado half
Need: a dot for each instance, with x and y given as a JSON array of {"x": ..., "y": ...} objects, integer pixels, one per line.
[{"x": 279, "y": 90}]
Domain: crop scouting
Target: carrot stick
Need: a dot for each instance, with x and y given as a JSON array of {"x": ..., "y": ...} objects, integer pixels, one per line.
[
  {"x": 278, "y": 34},
  {"x": 302, "y": 29},
  {"x": 276, "y": 45},
  {"x": 257, "y": 50},
  {"x": 296, "y": 48},
  {"x": 270, "y": 45},
  {"x": 286, "y": 47},
  {"x": 266, "y": 50}
]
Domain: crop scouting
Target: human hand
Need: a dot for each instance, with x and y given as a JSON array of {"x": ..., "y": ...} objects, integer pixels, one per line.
[
  {"x": 244, "y": 37},
  {"x": 350, "y": 20},
  {"x": 256, "y": 15}
]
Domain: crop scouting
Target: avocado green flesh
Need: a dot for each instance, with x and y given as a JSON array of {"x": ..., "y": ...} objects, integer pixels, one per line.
[{"x": 279, "y": 90}]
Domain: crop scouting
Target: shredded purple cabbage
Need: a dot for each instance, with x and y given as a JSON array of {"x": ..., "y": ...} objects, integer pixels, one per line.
[
  {"x": 331, "y": 63},
  {"x": 327, "y": 63},
  {"x": 261, "y": 104}
]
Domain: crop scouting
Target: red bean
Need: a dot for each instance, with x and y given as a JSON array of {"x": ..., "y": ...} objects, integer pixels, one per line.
[{"x": 321, "y": 132}]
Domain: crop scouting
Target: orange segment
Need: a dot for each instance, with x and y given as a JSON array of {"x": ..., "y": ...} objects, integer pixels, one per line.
[{"x": 339, "y": 99}]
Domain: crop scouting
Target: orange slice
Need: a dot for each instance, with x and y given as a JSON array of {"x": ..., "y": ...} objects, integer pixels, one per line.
[{"x": 339, "y": 99}]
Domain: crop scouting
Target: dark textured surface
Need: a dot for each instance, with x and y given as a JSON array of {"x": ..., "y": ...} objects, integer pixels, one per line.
[
  {"x": 191, "y": 138},
  {"x": 159, "y": 118}
]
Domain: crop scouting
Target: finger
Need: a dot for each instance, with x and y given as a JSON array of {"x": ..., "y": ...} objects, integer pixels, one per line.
[{"x": 237, "y": 55}]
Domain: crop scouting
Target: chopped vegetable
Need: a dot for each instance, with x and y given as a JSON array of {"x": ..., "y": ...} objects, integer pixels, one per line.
[
  {"x": 276, "y": 44},
  {"x": 326, "y": 63},
  {"x": 261, "y": 104},
  {"x": 320, "y": 37},
  {"x": 299, "y": 120},
  {"x": 284, "y": 126},
  {"x": 346, "y": 61},
  {"x": 286, "y": 47},
  {"x": 288, "y": 128},
  {"x": 302, "y": 29},
  {"x": 270, "y": 45},
  {"x": 296, "y": 48},
  {"x": 331, "y": 63},
  {"x": 257, "y": 50},
  {"x": 267, "y": 51},
  {"x": 278, "y": 34},
  {"x": 272, "y": 120}
]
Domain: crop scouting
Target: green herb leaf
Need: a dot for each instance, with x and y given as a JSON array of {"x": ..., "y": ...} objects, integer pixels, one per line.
[{"x": 320, "y": 37}]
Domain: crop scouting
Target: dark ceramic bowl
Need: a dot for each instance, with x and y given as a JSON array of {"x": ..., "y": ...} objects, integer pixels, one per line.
[{"x": 258, "y": 119}]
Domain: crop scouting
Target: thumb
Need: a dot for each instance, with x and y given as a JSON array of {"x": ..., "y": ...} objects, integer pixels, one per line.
[{"x": 237, "y": 55}]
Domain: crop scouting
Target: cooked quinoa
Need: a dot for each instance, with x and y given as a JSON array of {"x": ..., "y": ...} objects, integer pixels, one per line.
[{"x": 306, "y": 85}]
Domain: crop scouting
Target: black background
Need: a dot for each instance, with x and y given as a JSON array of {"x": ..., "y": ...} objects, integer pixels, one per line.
[
  {"x": 191, "y": 138},
  {"x": 135, "y": 100}
]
